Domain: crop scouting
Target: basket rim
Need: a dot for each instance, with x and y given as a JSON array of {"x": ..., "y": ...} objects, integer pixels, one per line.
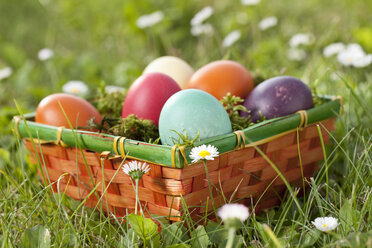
[{"x": 166, "y": 155}]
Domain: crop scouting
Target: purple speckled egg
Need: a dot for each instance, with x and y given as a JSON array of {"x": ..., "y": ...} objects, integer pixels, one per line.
[{"x": 278, "y": 96}]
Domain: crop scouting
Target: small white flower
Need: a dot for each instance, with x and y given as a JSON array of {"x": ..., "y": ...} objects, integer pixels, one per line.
[
  {"x": 75, "y": 87},
  {"x": 113, "y": 88},
  {"x": 150, "y": 19},
  {"x": 233, "y": 210},
  {"x": 348, "y": 57},
  {"x": 325, "y": 224},
  {"x": 231, "y": 38},
  {"x": 354, "y": 55},
  {"x": 268, "y": 22},
  {"x": 201, "y": 16},
  {"x": 203, "y": 152},
  {"x": 45, "y": 54},
  {"x": 296, "y": 54},
  {"x": 301, "y": 39},
  {"x": 5, "y": 72},
  {"x": 333, "y": 49},
  {"x": 364, "y": 61},
  {"x": 202, "y": 29},
  {"x": 250, "y": 2},
  {"x": 136, "y": 169}
]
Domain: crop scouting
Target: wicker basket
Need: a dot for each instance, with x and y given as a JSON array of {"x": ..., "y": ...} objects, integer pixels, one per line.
[{"x": 240, "y": 173}]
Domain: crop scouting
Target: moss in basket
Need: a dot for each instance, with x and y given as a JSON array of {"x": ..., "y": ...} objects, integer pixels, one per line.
[
  {"x": 233, "y": 106},
  {"x": 110, "y": 104},
  {"x": 130, "y": 127}
]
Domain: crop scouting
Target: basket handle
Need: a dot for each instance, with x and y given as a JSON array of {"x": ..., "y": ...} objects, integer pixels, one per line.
[
  {"x": 122, "y": 154},
  {"x": 173, "y": 154},
  {"x": 239, "y": 136},
  {"x": 121, "y": 141},
  {"x": 303, "y": 120}
]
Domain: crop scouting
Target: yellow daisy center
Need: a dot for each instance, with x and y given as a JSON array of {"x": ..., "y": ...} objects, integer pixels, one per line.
[
  {"x": 74, "y": 90},
  {"x": 324, "y": 225},
  {"x": 204, "y": 153}
]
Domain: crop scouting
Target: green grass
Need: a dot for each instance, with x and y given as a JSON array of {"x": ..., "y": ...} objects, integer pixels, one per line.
[{"x": 97, "y": 41}]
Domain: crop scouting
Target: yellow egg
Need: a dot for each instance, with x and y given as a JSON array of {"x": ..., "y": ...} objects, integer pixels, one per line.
[{"x": 174, "y": 67}]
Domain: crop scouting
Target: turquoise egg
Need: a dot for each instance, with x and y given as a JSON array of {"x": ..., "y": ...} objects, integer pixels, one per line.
[{"x": 192, "y": 111}]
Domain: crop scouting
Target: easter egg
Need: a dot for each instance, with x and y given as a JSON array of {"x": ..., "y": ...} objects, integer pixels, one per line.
[
  {"x": 174, "y": 67},
  {"x": 277, "y": 97},
  {"x": 223, "y": 76},
  {"x": 193, "y": 111},
  {"x": 147, "y": 95},
  {"x": 77, "y": 110}
]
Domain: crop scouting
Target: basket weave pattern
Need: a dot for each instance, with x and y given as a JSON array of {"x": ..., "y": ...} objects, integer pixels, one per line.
[{"x": 241, "y": 174}]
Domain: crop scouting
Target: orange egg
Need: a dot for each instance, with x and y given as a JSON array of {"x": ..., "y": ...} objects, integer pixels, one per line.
[
  {"x": 77, "y": 110},
  {"x": 223, "y": 76}
]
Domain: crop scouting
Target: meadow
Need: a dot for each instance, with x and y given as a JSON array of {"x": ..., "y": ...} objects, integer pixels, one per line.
[{"x": 103, "y": 41}]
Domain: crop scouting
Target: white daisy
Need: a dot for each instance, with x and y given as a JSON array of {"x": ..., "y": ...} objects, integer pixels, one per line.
[
  {"x": 5, "y": 72},
  {"x": 296, "y": 54},
  {"x": 250, "y": 2},
  {"x": 233, "y": 211},
  {"x": 325, "y": 224},
  {"x": 333, "y": 49},
  {"x": 136, "y": 169},
  {"x": 354, "y": 55},
  {"x": 203, "y": 152},
  {"x": 301, "y": 39},
  {"x": 75, "y": 87},
  {"x": 268, "y": 22},
  {"x": 364, "y": 61},
  {"x": 45, "y": 54},
  {"x": 202, "y": 29},
  {"x": 113, "y": 88},
  {"x": 231, "y": 38},
  {"x": 149, "y": 20},
  {"x": 201, "y": 16}
]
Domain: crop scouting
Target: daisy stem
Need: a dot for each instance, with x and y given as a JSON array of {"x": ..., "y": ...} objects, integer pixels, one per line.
[
  {"x": 137, "y": 200},
  {"x": 230, "y": 240},
  {"x": 209, "y": 185},
  {"x": 135, "y": 207}
]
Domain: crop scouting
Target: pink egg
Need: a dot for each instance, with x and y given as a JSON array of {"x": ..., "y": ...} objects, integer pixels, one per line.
[{"x": 147, "y": 95}]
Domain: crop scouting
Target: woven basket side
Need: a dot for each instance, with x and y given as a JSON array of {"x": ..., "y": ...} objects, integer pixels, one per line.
[{"x": 241, "y": 174}]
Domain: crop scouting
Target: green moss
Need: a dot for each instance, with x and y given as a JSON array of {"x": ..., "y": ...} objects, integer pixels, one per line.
[
  {"x": 130, "y": 127},
  {"x": 233, "y": 106},
  {"x": 110, "y": 104}
]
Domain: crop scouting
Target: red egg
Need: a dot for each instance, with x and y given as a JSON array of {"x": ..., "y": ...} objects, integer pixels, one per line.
[
  {"x": 77, "y": 110},
  {"x": 221, "y": 77},
  {"x": 147, "y": 95}
]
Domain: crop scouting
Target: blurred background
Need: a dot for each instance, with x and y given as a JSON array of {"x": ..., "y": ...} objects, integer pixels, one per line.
[
  {"x": 100, "y": 40},
  {"x": 44, "y": 44}
]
